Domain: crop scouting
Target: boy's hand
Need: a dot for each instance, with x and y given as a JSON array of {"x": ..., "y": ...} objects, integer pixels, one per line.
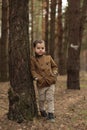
[
  {"x": 55, "y": 72},
  {"x": 35, "y": 78}
]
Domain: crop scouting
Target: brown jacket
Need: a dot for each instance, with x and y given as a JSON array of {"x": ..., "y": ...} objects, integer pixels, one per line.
[{"x": 44, "y": 69}]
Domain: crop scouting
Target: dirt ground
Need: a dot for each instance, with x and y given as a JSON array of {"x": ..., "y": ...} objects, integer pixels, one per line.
[{"x": 70, "y": 109}]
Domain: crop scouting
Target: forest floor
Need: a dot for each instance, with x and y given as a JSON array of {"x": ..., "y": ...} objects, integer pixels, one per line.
[{"x": 70, "y": 109}]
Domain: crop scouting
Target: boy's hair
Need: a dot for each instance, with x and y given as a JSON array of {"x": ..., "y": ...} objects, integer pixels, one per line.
[{"x": 38, "y": 41}]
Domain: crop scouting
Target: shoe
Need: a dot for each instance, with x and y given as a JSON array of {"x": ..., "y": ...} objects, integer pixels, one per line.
[
  {"x": 51, "y": 117},
  {"x": 43, "y": 113}
]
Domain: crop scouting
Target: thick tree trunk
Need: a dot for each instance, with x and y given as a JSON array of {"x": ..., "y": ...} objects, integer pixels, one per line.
[
  {"x": 73, "y": 63},
  {"x": 22, "y": 102},
  {"x": 4, "y": 43}
]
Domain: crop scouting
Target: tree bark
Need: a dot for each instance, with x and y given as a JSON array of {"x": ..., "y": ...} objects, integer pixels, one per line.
[
  {"x": 46, "y": 25},
  {"x": 4, "y": 43},
  {"x": 83, "y": 19},
  {"x": 52, "y": 27},
  {"x": 61, "y": 61},
  {"x": 22, "y": 102},
  {"x": 73, "y": 63}
]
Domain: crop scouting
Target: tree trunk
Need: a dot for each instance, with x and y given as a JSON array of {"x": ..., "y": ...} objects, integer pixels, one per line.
[
  {"x": 52, "y": 27},
  {"x": 61, "y": 61},
  {"x": 22, "y": 102},
  {"x": 65, "y": 39},
  {"x": 47, "y": 25},
  {"x": 83, "y": 19},
  {"x": 4, "y": 43},
  {"x": 73, "y": 63}
]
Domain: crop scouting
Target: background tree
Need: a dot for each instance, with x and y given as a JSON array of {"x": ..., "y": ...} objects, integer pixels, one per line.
[
  {"x": 73, "y": 63},
  {"x": 61, "y": 61},
  {"x": 52, "y": 27},
  {"x": 83, "y": 38},
  {"x": 45, "y": 21},
  {"x": 65, "y": 38},
  {"x": 22, "y": 103},
  {"x": 83, "y": 17}
]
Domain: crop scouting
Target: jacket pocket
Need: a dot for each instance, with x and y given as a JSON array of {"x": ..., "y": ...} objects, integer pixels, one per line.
[
  {"x": 41, "y": 82},
  {"x": 51, "y": 80}
]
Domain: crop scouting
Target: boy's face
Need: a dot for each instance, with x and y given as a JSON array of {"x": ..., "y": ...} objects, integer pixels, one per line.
[{"x": 40, "y": 49}]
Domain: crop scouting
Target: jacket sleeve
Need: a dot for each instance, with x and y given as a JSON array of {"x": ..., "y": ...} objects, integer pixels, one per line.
[
  {"x": 35, "y": 75},
  {"x": 54, "y": 66}
]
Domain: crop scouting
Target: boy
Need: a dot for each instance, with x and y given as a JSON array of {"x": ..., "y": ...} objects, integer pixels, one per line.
[{"x": 44, "y": 71}]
